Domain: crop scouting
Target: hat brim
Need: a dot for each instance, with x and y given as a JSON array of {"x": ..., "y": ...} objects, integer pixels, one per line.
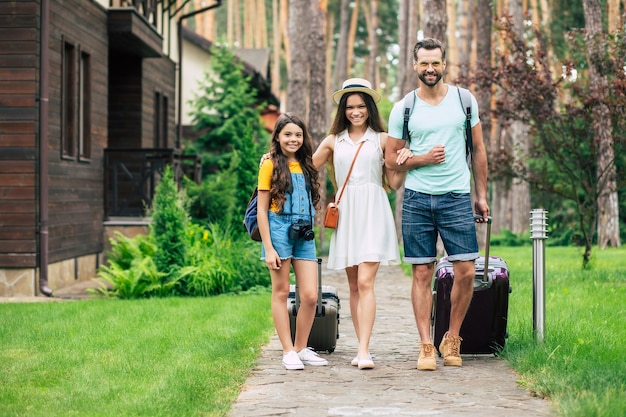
[{"x": 372, "y": 93}]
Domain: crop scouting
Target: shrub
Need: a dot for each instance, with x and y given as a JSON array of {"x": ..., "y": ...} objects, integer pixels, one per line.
[{"x": 169, "y": 220}]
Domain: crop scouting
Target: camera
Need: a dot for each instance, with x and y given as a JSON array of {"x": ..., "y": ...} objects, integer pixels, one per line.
[{"x": 302, "y": 229}]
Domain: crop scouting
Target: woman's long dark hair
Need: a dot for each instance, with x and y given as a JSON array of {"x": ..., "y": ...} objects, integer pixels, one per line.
[
  {"x": 281, "y": 176},
  {"x": 341, "y": 122}
]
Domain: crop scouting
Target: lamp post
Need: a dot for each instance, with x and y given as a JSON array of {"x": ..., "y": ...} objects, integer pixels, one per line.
[{"x": 538, "y": 233}]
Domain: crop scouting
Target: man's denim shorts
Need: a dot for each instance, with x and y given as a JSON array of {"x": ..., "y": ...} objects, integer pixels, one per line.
[
  {"x": 449, "y": 215},
  {"x": 287, "y": 248}
]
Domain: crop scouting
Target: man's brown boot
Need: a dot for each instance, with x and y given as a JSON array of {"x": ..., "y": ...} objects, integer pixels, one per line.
[
  {"x": 450, "y": 349},
  {"x": 426, "y": 359}
]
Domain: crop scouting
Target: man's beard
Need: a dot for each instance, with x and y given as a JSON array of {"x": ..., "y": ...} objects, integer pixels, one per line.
[{"x": 422, "y": 77}]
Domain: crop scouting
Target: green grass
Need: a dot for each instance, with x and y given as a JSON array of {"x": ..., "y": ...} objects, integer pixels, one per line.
[
  {"x": 154, "y": 357},
  {"x": 580, "y": 364},
  {"x": 190, "y": 356}
]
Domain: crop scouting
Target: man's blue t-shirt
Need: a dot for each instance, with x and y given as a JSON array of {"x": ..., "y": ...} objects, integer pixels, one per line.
[{"x": 443, "y": 124}]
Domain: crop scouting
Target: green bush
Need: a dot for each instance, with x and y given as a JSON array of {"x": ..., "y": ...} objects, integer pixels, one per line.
[
  {"x": 213, "y": 200},
  {"x": 217, "y": 261},
  {"x": 508, "y": 238},
  {"x": 169, "y": 220}
]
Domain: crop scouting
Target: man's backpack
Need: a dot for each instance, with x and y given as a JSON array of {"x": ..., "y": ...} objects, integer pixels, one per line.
[{"x": 466, "y": 103}]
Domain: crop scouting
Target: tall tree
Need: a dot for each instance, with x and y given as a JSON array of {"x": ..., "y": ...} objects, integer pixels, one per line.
[
  {"x": 484, "y": 48},
  {"x": 608, "y": 207},
  {"x": 340, "y": 72},
  {"x": 464, "y": 42},
  {"x": 372, "y": 31},
  {"x": 297, "y": 87},
  {"x": 519, "y": 193},
  {"x": 354, "y": 21},
  {"x": 615, "y": 16},
  {"x": 249, "y": 22},
  {"x": 435, "y": 19},
  {"x": 276, "y": 49}
]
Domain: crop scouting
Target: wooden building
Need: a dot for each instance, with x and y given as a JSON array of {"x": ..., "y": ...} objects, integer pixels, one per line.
[{"x": 87, "y": 120}]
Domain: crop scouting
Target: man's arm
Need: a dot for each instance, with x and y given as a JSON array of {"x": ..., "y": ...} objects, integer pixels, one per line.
[
  {"x": 398, "y": 161},
  {"x": 479, "y": 170}
]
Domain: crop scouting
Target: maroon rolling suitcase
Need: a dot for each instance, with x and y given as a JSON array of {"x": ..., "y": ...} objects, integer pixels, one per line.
[
  {"x": 325, "y": 329},
  {"x": 484, "y": 328}
]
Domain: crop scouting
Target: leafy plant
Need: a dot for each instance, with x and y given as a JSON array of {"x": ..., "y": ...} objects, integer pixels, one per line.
[
  {"x": 141, "y": 279},
  {"x": 124, "y": 250}
]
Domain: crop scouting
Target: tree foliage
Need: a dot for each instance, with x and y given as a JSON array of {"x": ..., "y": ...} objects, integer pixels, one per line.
[
  {"x": 562, "y": 160},
  {"x": 231, "y": 141}
]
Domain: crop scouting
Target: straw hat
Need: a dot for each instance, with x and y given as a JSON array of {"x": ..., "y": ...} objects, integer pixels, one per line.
[{"x": 355, "y": 85}]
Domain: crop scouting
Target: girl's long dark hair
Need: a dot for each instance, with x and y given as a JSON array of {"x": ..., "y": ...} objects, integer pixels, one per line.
[
  {"x": 341, "y": 122},
  {"x": 281, "y": 176}
]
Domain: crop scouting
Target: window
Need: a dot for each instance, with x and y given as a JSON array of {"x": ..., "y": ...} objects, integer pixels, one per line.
[
  {"x": 84, "y": 113},
  {"x": 68, "y": 114},
  {"x": 75, "y": 103},
  {"x": 160, "y": 120}
]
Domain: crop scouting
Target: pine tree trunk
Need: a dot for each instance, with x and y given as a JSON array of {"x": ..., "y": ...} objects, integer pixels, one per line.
[
  {"x": 276, "y": 48},
  {"x": 435, "y": 19},
  {"x": 373, "y": 43},
  {"x": 614, "y": 15},
  {"x": 608, "y": 207},
  {"x": 261, "y": 25},
  {"x": 284, "y": 27},
  {"x": 297, "y": 88},
  {"x": 340, "y": 72},
  {"x": 249, "y": 21},
  {"x": 352, "y": 35},
  {"x": 520, "y": 132}
]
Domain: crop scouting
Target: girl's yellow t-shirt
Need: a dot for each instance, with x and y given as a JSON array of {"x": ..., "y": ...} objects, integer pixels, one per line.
[{"x": 265, "y": 177}]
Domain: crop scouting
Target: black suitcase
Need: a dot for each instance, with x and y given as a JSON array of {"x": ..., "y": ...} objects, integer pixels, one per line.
[
  {"x": 325, "y": 330},
  {"x": 484, "y": 328}
]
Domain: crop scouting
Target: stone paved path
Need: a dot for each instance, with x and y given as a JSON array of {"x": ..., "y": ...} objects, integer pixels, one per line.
[{"x": 485, "y": 386}]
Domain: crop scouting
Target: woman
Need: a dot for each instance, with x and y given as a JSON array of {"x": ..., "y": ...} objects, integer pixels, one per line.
[{"x": 365, "y": 236}]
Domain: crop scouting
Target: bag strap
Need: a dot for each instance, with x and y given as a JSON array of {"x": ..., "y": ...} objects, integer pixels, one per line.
[
  {"x": 349, "y": 172},
  {"x": 466, "y": 103},
  {"x": 409, "y": 100}
]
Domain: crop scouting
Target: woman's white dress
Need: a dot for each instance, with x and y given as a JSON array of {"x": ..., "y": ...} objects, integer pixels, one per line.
[{"x": 366, "y": 231}]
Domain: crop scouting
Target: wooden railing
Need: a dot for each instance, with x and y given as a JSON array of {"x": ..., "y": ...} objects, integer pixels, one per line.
[
  {"x": 146, "y": 8},
  {"x": 131, "y": 177}
]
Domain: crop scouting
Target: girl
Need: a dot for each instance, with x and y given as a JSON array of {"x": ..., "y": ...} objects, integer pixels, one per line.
[{"x": 288, "y": 193}]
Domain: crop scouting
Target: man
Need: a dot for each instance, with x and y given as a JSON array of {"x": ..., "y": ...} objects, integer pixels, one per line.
[{"x": 437, "y": 195}]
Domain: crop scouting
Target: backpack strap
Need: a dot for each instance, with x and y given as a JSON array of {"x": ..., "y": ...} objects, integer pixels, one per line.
[
  {"x": 409, "y": 100},
  {"x": 466, "y": 103}
]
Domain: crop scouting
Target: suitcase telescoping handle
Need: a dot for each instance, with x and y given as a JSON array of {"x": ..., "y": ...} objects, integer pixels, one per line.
[
  {"x": 488, "y": 241},
  {"x": 320, "y": 310}
]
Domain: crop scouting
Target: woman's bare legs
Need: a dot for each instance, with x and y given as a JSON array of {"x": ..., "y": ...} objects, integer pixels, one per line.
[
  {"x": 353, "y": 283},
  {"x": 366, "y": 308}
]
